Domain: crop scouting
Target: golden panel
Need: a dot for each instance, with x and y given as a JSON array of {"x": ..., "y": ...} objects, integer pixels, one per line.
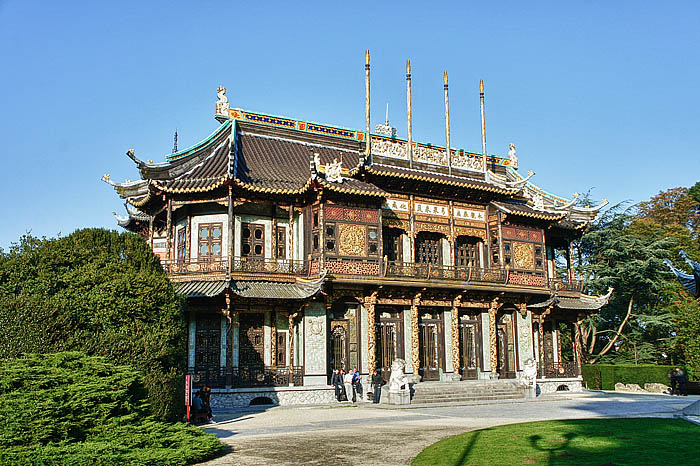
[
  {"x": 523, "y": 256},
  {"x": 352, "y": 240}
]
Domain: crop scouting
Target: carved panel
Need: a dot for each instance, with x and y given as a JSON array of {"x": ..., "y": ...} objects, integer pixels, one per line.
[
  {"x": 528, "y": 279},
  {"x": 468, "y": 231},
  {"x": 424, "y": 226},
  {"x": 334, "y": 212},
  {"x": 352, "y": 240},
  {"x": 524, "y": 234},
  {"x": 523, "y": 256},
  {"x": 352, "y": 268}
]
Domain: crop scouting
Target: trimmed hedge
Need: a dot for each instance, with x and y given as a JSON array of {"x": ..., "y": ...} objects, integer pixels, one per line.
[
  {"x": 73, "y": 409},
  {"x": 605, "y": 376}
]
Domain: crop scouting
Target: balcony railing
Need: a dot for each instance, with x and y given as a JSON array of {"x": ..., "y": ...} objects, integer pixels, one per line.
[
  {"x": 247, "y": 376},
  {"x": 238, "y": 265},
  {"x": 555, "y": 370},
  {"x": 372, "y": 270}
]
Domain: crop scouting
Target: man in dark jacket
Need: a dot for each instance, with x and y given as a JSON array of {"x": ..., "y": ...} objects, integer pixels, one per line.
[
  {"x": 337, "y": 382},
  {"x": 377, "y": 382},
  {"x": 682, "y": 380}
]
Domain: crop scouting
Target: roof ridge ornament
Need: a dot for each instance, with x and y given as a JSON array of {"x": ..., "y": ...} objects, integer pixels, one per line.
[
  {"x": 334, "y": 171},
  {"x": 511, "y": 156},
  {"x": 222, "y": 106}
]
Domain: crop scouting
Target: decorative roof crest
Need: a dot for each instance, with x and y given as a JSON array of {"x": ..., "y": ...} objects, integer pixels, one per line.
[
  {"x": 222, "y": 106},
  {"x": 334, "y": 171},
  {"x": 511, "y": 156}
]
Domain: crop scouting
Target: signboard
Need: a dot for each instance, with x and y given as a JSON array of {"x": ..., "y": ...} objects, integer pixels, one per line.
[{"x": 188, "y": 394}]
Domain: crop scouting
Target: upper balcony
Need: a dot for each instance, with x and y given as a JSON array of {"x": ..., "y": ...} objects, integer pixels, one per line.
[{"x": 367, "y": 271}]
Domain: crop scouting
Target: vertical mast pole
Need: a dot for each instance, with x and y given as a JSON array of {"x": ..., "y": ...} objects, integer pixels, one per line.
[
  {"x": 408, "y": 105},
  {"x": 483, "y": 124},
  {"x": 447, "y": 127},
  {"x": 367, "y": 136}
]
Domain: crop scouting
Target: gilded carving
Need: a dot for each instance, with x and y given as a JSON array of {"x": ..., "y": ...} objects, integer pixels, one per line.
[
  {"x": 455, "y": 334},
  {"x": 415, "y": 358},
  {"x": 273, "y": 339},
  {"x": 466, "y": 231},
  {"x": 421, "y": 226},
  {"x": 370, "y": 303},
  {"x": 493, "y": 349},
  {"x": 523, "y": 256},
  {"x": 352, "y": 240}
]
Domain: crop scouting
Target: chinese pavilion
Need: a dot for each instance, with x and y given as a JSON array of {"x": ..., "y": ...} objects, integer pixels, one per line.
[{"x": 304, "y": 247}]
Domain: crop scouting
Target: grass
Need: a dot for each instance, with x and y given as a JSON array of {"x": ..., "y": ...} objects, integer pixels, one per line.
[{"x": 579, "y": 442}]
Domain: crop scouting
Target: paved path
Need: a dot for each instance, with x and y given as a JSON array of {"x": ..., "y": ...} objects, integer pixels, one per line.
[{"x": 365, "y": 435}]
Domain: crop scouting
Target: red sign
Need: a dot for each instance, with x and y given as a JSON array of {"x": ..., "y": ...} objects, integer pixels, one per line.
[{"x": 188, "y": 394}]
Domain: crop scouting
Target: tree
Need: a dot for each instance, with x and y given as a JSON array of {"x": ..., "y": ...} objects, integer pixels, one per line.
[
  {"x": 617, "y": 258},
  {"x": 99, "y": 292}
]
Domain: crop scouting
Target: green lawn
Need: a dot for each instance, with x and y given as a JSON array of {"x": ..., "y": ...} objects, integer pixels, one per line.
[{"x": 579, "y": 442}]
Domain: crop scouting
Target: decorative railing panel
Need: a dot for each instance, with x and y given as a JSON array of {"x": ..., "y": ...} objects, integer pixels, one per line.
[
  {"x": 243, "y": 265},
  {"x": 559, "y": 370},
  {"x": 193, "y": 267},
  {"x": 249, "y": 376},
  {"x": 527, "y": 278},
  {"x": 569, "y": 285}
]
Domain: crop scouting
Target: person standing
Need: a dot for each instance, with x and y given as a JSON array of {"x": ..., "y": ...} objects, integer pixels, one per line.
[
  {"x": 673, "y": 376},
  {"x": 682, "y": 381},
  {"x": 377, "y": 382},
  {"x": 349, "y": 387},
  {"x": 336, "y": 381}
]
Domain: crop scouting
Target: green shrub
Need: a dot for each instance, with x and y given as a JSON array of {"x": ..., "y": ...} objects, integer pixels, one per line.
[
  {"x": 72, "y": 409},
  {"x": 102, "y": 293},
  {"x": 605, "y": 376}
]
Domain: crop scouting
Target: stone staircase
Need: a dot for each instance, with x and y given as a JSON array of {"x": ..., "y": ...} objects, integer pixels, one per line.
[{"x": 467, "y": 391}]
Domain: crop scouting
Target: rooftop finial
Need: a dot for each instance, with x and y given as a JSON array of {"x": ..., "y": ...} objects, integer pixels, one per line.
[
  {"x": 408, "y": 66},
  {"x": 175, "y": 142},
  {"x": 367, "y": 57},
  {"x": 386, "y": 122},
  {"x": 481, "y": 85},
  {"x": 445, "y": 77}
]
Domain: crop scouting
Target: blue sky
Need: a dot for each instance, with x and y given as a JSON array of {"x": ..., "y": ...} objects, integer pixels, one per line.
[{"x": 600, "y": 95}]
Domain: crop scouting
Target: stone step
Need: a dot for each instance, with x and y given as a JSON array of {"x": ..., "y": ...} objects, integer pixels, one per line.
[{"x": 466, "y": 391}]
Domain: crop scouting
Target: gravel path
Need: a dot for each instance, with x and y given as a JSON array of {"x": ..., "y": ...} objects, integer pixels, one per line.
[{"x": 366, "y": 435}]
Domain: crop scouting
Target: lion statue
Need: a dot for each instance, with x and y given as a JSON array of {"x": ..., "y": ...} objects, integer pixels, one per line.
[
  {"x": 529, "y": 374},
  {"x": 398, "y": 379}
]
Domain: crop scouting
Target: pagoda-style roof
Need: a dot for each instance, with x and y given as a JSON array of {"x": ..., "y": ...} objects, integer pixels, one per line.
[
  {"x": 275, "y": 155},
  {"x": 299, "y": 289},
  {"x": 576, "y": 303}
]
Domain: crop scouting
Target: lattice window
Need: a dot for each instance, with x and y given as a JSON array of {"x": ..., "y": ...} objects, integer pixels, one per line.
[
  {"x": 181, "y": 244},
  {"x": 467, "y": 252},
  {"x": 281, "y": 243},
  {"x": 539, "y": 257},
  {"x": 253, "y": 240},
  {"x": 209, "y": 246},
  {"x": 495, "y": 254},
  {"x": 392, "y": 244},
  {"x": 331, "y": 243},
  {"x": 372, "y": 241},
  {"x": 507, "y": 254},
  {"x": 428, "y": 249},
  {"x": 281, "y": 349}
]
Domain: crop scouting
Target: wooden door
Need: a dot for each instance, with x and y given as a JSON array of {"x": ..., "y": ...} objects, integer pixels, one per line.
[
  {"x": 389, "y": 341},
  {"x": 506, "y": 347},
  {"x": 431, "y": 347},
  {"x": 207, "y": 345},
  {"x": 469, "y": 348},
  {"x": 251, "y": 337},
  {"x": 339, "y": 345}
]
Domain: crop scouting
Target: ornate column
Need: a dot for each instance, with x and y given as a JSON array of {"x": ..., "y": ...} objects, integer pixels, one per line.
[
  {"x": 415, "y": 341},
  {"x": 169, "y": 229},
  {"x": 273, "y": 339},
  {"x": 455, "y": 333},
  {"x": 412, "y": 231},
  {"x": 291, "y": 342},
  {"x": 370, "y": 303},
  {"x": 578, "y": 349},
  {"x": 493, "y": 348}
]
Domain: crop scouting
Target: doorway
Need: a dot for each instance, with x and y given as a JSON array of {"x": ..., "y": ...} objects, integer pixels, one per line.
[{"x": 431, "y": 343}]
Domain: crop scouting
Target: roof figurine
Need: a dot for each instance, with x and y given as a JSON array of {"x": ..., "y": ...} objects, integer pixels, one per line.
[
  {"x": 334, "y": 171},
  {"x": 511, "y": 156},
  {"x": 222, "y": 106}
]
